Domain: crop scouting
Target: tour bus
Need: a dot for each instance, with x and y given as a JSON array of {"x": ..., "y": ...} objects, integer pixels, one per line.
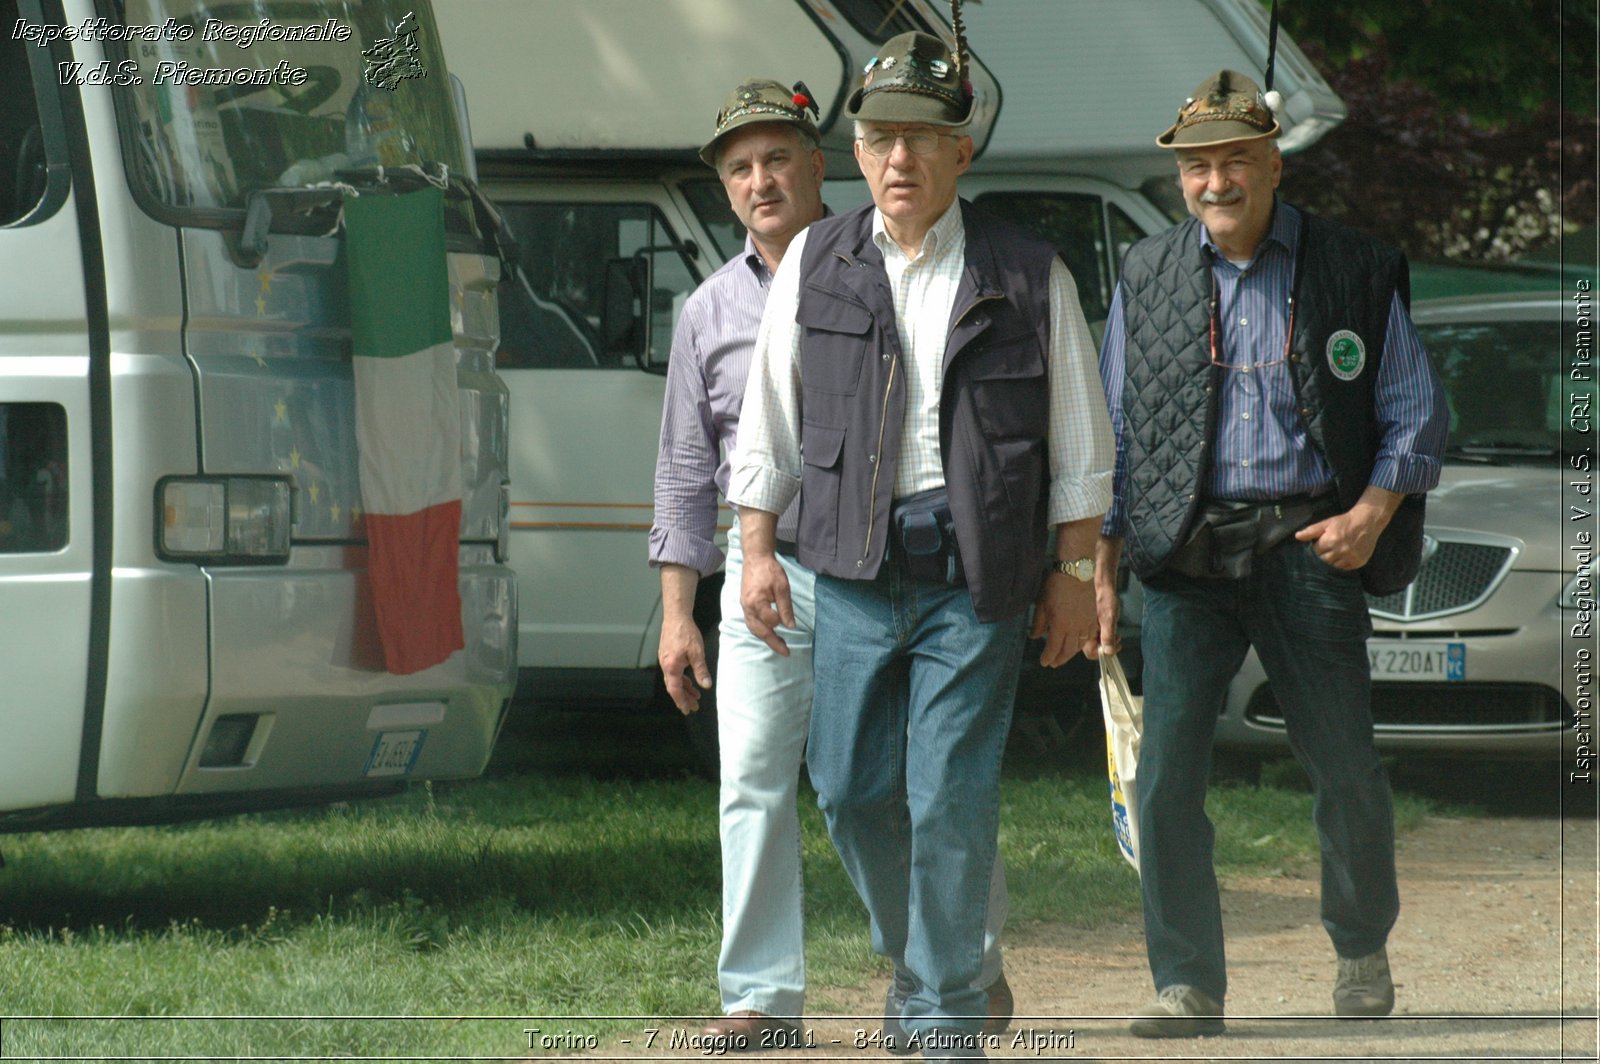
[
  {"x": 587, "y": 122},
  {"x": 186, "y": 601}
]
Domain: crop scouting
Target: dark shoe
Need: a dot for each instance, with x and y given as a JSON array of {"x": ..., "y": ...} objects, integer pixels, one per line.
[
  {"x": 1001, "y": 1006},
  {"x": 1179, "y": 1012},
  {"x": 895, "y": 1038},
  {"x": 941, "y": 1044},
  {"x": 748, "y": 1031},
  {"x": 1364, "y": 986}
]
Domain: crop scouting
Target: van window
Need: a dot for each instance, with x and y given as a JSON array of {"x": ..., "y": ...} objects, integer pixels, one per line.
[
  {"x": 551, "y": 308},
  {"x": 1074, "y": 223},
  {"x": 23, "y": 177},
  {"x": 33, "y": 477},
  {"x": 709, "y": 201},
  {"x": 270, "y": 93}
]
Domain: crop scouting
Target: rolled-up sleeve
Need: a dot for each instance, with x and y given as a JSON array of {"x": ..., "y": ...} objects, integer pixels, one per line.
[
  {"x": 765, "y": 471},
  {"x": 686, "y": 460},
  {"x": 1413, "y": 416},
  {"x": 1080, "y": 441}
]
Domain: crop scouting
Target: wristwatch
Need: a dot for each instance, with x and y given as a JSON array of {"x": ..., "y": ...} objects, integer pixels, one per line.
[{"x": 1082, "y": 568}]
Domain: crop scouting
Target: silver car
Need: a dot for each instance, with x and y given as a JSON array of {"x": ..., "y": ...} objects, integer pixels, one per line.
[{"x": 1467, "y": 660}]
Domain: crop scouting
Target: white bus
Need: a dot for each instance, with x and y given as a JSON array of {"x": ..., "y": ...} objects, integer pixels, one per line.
[{"x": 186, "y": 625}]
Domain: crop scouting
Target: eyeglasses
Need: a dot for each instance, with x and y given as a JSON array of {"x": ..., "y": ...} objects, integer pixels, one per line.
[
  {"x": 919, "y": 142},
  {"x": 1288, "y": 339}
]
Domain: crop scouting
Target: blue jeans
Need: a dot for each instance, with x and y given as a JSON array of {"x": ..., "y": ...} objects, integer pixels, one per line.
[
  {"x": 913, "y": 703},
  {"x": 1309, "y": 624}
]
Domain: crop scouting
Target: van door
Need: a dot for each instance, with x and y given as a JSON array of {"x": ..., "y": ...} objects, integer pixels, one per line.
[
  {"x": 46, "y": 499},
  {"x": 585, "y": 419}
]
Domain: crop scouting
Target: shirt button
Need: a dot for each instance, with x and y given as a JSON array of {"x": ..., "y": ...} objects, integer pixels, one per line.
[
  {"x": 1244, "y": 369},
  {"x": 1305, "y": 411},
  {"x": 1245, "y": 463},
  {"x": 1244, "y": 321},
  {"x": 1244, "y": 416}
]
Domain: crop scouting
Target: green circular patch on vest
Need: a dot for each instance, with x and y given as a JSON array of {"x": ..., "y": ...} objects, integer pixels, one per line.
[{"x": 1347, "y": 355}]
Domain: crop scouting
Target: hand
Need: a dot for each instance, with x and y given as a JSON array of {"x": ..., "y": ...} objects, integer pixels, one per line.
[
  {"x": 1107, "y": 608},
  {"x": 682, "y": 651},
  {"x": 764, "y": 594},
  {"x": 1065, "y": 615},
  {"x": 1344, "y": 541}
]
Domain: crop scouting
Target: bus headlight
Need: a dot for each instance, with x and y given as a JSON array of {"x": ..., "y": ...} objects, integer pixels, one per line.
[{"x": 225, "y": 520}]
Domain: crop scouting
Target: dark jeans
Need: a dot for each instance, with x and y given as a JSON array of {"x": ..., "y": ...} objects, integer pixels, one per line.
[{"x": 1309, "y": 624}]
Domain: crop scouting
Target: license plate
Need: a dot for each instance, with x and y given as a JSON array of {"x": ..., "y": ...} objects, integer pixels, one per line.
[
  {"x": 1408, "y": 660},
  {"x": 395, "y": 753}
]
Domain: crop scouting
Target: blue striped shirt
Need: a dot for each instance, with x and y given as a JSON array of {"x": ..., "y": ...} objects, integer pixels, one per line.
[
  {"x": 711, "y": 349},
  {"x": 1261, "y": 449}
]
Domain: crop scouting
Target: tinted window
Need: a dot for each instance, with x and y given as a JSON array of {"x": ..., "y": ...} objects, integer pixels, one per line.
[
  {"x": 1504, "y": 385},
  {"x": 551, "y": 308},
  {"x": 23, "y": 176},
  {"x": 1074, "y": 223},
  {"x": 33, "y": 477}
]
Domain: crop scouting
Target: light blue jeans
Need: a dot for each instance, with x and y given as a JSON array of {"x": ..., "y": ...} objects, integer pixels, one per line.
[
  {"x": 763, "y": 713},
  {"x": 913, "y": 703}
]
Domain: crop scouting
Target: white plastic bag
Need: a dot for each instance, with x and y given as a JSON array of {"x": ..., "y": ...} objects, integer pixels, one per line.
[{"x": 1124, "y": 714}]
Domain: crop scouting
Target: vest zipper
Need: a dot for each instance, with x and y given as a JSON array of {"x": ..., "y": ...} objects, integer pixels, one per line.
[{"x": 877, "y": 465}]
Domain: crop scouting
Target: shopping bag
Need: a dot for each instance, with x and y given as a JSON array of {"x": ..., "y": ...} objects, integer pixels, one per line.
[{"x": 1124, "y": 714}]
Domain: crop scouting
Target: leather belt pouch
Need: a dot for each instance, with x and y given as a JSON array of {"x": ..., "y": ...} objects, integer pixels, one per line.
[
  {"x": 924, "y": 537},
  {"x": 1229, "y": 535}
]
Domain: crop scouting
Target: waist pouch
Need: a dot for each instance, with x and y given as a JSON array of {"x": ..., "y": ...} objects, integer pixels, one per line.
[
  {"x": 922, "y": 537},
  {"x": 1228, "y": 535}
]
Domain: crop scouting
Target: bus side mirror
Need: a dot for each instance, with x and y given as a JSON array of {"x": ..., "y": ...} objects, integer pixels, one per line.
[{"x": 625, "y": 317}]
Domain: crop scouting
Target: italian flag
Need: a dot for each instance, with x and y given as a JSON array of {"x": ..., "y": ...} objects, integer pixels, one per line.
[{"x": 408, "y": 422}]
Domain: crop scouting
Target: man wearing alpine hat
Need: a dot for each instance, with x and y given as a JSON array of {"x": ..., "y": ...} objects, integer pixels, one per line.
[
  {"x": 925, "y": 383},
  {"x": 1277, "y": 423},
  {"x": 765, "y": 152}
]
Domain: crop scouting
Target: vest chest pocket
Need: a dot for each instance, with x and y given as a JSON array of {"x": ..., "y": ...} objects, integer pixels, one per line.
[
  {"x": 1009, "y": 387},
  {"x": 835, "y": 334}
]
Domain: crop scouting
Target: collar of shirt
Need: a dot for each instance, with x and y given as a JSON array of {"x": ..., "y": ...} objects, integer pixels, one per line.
[
  {"x": 1284, "y": 231},
  {"x": 757, "y": 264},
  {"x": 947, "y": 235}
]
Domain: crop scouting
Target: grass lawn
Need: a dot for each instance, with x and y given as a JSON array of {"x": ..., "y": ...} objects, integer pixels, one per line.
[{"x": 573, "y": 880}]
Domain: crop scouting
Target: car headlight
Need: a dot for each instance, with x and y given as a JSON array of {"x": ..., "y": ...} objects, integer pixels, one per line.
[{"x": 1579, "y": 593}]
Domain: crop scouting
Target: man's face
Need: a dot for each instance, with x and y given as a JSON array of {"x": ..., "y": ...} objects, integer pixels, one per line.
[
  {"x": 909, "y": 189},
  {"x": 774, "y": 185},
  {"x": 1229, "y": 188}
]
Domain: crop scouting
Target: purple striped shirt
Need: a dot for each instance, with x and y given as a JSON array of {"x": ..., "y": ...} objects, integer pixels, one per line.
[
  {"x": 1261, "y": 449},
  {"x": 711, "y": 349}
]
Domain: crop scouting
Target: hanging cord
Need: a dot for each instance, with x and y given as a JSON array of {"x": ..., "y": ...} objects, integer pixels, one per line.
[
  {"x": 962, "y": 56},
  {"x": 1272, "y": 97}
]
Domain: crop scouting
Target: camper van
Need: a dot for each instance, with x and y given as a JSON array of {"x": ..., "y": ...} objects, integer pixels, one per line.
[
  {"x": 619, "y": 221},
  {"x": 186, "y": 602}
]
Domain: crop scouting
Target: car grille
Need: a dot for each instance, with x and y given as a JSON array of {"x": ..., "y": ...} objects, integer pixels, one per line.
[
  {"x": 1454, "y": 578},
  {"x": 1443, "y": 705}
]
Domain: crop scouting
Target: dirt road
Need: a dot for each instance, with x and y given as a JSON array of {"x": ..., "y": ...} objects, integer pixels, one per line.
[{"x": 1494, "y": 957}]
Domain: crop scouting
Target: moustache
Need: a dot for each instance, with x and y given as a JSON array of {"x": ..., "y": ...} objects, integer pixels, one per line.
[{"x": 1223, "y": 199}]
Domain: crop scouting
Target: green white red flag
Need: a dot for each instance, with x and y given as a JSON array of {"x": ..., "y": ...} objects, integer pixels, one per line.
[{"x": 408, "y": 422}]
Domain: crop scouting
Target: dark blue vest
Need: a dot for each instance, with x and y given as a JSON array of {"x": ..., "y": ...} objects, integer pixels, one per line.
[
  {"x": 993, "y": 406},
  {"x": 1343, "y": 280}
]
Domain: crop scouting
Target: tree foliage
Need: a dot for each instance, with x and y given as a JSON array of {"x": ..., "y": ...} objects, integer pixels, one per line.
[{"x": 1472, "y": 126}]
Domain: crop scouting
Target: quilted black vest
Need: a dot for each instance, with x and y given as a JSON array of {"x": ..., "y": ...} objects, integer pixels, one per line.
[
  {"x": 1344, "y": 283},
  {"x": 993, "y": 406}
]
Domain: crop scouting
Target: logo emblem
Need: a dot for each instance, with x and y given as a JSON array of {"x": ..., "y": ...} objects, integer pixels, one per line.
[{"x": 1347, "y": 355}]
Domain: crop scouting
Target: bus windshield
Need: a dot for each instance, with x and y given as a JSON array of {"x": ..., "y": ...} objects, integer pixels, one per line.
[{"x": 223, "y": 97}]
